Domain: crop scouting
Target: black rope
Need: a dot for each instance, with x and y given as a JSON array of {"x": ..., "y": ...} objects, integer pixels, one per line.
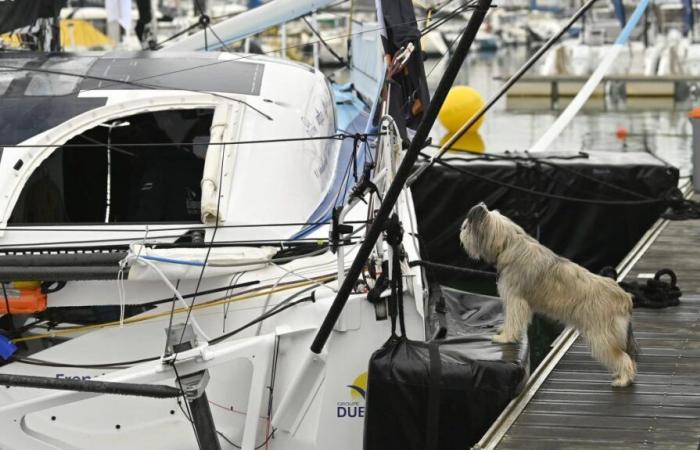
[
  {"x": 124, "y": 364},
  {"x": 655, "y": 293},
  {"x": 455, "y": 269},
  {"x": 325, "y": 44},
  {"x": 7, "y": 302},
  {"x": 451, "y": 15},
  {"x": 529, "y": 157},
  {"x": 196, "y": 226},
  {"x": 357, "y": 138},
  {"x": 187, "y": 404},
  {"x": 217, "y": 218},
  {"x": 649, "y": 201},
  {"x": 681, "y": 208},
  {"x": 267, "y": 315},
  {"x": 35, "y": 247},
  {"x": 338, "y": 136}
]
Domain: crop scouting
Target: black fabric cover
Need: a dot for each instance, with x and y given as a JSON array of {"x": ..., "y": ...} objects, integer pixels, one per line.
[
  {"x": 477, "y": 379},
  {"x": 472, "y": 393},
  {"x": 594, "y": 236},
  {"x": 20, "y": 13}
]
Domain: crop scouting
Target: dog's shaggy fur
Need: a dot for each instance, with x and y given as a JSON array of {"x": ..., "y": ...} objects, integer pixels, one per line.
[{"x": 534, "y": 279}]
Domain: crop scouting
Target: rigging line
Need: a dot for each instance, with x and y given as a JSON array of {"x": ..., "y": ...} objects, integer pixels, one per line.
[
  {"x": 247, "y": 56},
  {"x": 548, "y": 195},
  {"x": 267, "y": 439},
  {"x": 134, "y": 83},
  {"x": 235, "y": 278},
  {"x": 271, "y": 387},
  {"x": 338, "y": 137},
  {"x": 217, "y": 218},
  {"x": 441, "y": 21},
  {"x": 7, "y": 306},
  {"x": 260, "y": 318},
  {"x": 167, "y": 282},
  {"x": 93, "y": 143},
  {"x": 170, "y": 320},
  {"x": 205, "y": 21},
  {"x": 506, "y": 87},
  {"x": 187, "y": 404},
  {"x": 121, "y": 364},
  {"x": 39, "y": 248},
  {"x": 31, "y": 244},
  {"x": 447, "y": 53},
  {"x": 195, "y": 226},
  {"x": 531, "y": 158},
  {"x": 236, "y": 264},
  {"x": 325, "y": 44},
  {"x": 151, "y": 316}
]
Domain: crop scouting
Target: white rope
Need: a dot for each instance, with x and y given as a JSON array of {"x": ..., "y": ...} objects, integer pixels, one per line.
[{"x": 132, "y": 257}]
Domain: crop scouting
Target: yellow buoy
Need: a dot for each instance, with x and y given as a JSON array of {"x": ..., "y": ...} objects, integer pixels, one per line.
[
  {"x": 461, "y": 104},
  {"x": 469, "y": 142}
]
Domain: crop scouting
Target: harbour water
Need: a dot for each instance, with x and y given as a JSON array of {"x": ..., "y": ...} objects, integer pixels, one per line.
[{"x": 659, "y": 126}]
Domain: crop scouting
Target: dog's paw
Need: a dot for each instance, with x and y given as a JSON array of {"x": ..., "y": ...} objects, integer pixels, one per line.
[
  {"x": 501, "y": 338},
  {"x": 621, "y": 382}
]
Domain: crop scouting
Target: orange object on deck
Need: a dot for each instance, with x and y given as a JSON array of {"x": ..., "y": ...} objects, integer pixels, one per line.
[
  {"x": 694, "y": 113},
  {"x": 23, "y": 300}
]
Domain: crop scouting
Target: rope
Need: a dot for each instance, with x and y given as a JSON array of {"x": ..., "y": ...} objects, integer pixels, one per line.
[
  {"x": 338, "y": 136},
  {"x": 456, "y": 269},
  {"x": 325, "y": 44},
  {"x": 452, "y": 14},
  {"x": 655, "y": 293},
  {"x": 217, "y": 219},
  {"x": 151, "y": 316},
  {"x": 122, "y": 364},
  {"x": 648, "y": 201}
]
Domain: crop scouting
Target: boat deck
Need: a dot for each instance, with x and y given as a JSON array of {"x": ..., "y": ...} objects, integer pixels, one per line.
[{"x": 571, "y": 404}]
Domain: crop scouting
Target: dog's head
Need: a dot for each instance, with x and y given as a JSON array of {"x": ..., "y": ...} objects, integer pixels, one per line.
[{"x": 485, "y": 234}]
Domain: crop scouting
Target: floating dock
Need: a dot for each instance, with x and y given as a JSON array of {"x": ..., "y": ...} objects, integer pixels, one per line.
[
  {"x": 569, "y": 402},
  {"x": 564, "y": 86}
]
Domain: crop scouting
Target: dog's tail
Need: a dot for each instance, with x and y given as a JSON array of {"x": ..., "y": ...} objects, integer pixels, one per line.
[{"x": 632, "y": 346}]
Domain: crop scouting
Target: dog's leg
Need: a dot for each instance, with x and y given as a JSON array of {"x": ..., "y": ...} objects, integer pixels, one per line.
[
  {"x": 517, "y": 317},
  {"x": 608, "y": 348}
]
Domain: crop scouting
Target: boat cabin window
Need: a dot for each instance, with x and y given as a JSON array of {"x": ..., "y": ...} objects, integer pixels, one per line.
[{"x": 144, "y": 168}]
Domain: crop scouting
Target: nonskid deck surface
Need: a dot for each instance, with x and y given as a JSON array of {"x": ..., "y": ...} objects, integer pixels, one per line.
[{"x": 577, "y": 408}]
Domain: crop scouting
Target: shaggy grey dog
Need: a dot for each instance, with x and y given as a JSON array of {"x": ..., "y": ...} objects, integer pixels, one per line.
[{"x": 531, "y": 278}]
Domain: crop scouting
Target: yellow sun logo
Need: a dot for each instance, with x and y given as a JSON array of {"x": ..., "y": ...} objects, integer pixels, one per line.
[{"x": 358, "y": 388}]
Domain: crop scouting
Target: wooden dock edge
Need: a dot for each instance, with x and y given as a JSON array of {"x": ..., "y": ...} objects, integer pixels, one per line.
[{"x": 563, "y": 343}]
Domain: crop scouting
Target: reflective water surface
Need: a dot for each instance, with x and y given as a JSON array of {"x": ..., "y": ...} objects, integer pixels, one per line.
[{"x": 658, "y": 125}]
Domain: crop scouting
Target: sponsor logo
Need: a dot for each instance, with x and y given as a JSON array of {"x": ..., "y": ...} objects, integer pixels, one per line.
[{"x": 355, "y": 406}]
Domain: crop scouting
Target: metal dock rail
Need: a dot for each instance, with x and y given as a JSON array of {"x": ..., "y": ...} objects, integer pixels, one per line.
[{"x": 569, "y": 402}]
